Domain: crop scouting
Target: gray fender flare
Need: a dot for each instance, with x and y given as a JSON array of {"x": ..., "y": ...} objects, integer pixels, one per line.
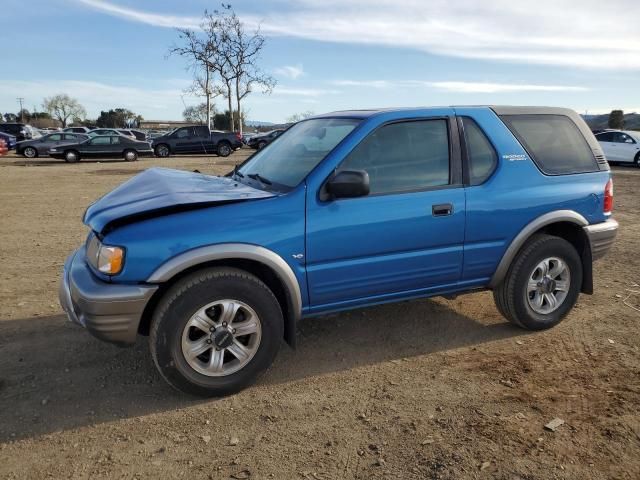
[
  {"x": 226, "y": 251},
  {"x": 532, "y": 227}
]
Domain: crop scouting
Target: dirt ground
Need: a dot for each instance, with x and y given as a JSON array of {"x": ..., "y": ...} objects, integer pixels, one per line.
[{"x": 430, "y": 389}]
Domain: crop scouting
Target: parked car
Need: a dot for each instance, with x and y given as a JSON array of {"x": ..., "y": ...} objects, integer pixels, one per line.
[
  {"x": 111, "y": 131},
  {"x": 345, "y": 210},
  {"x": 40, "y": 147},
  {"x": 139, "y": 135},
  {"x": 9, "y": 140},
  {"x": 263, "y": 139},
  {"x": 620, "y": 146},
  {"x": 196, "y": 139},
  {"x": 77, "y": 130},
  {"x": 21, "y": 131},
  {"x": 102, "y": 146}
]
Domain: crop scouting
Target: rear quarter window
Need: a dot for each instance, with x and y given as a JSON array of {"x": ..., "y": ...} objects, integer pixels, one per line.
[{"x": 554, "y": 143}]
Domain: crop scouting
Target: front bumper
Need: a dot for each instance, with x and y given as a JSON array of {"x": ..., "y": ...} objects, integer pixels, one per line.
[
  {"x": 109, "y": 311},
  {"x": 601, "y": 237}
]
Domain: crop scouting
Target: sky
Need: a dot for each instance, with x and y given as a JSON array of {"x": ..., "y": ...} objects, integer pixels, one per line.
[{"x": 330, "y": 55}]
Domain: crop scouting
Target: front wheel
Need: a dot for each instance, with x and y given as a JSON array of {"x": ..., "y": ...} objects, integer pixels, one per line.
[
  {"x": 261, "y": 145},
  {"x": 542, "y": 284},
  {"x": 636, "y": 160},
  {"x": 30, "y": 152},
  {"x": 215, "y": 332}
]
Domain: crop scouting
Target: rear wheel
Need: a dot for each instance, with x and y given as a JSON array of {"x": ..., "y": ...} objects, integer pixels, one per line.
[
  {"x": 30, "y": 152},
  {"x": 636, "y": 160},
  {"x": 542, "y": 284},
  {"x": 71, "y": 156},
  {"x": 162, "y": 150},
  {"x": 216, "y": 331},
  {"x": 261, "y": 145},
  {"x": 224, "y": 149},
  {"x": 130, "y": 155}
]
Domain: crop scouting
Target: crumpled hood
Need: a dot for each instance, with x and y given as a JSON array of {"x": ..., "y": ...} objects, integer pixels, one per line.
[{"x": 158, "y": 191}]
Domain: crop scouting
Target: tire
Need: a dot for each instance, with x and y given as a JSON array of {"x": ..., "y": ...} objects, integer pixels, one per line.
[
  {"x": 130, "y": 155},
  {"x": 261, "y": 145},
  {"x": 162, "y": 150},
  {"x": 516, "y": 300},
  {"x": 71, "y": 156},
  {"x": 636, "y": 160},
  {"x": 223, "y": 149},
  {"x": 30, "y": 152},
  {"x": 173, "y": 331}
]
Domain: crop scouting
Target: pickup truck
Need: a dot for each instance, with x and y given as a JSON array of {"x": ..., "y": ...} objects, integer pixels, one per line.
[
  {"x": 345, "y": 210},
  {"x": 196, "y": 139}
]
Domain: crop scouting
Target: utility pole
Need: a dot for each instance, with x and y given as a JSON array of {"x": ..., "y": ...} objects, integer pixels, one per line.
[{"x": 20, "y": 100}]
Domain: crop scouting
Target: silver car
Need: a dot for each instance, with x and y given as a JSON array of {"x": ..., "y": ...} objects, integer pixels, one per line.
[{"x": 39, "y": 147}]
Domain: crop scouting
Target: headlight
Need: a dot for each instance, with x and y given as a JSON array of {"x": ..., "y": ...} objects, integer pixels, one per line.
[{"x": 107, "y": 259}]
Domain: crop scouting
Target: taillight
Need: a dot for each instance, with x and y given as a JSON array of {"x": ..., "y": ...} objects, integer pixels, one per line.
[{"x": 608, "y": 197}]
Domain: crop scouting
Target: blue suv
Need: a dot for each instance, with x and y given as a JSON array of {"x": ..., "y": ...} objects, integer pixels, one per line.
[{"x": 342, "y": 211}]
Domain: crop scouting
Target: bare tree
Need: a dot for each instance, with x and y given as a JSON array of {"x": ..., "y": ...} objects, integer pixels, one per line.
[
  {"x": 201, "y": 51},
  {"x": 62, "y": 107},
  {"x": 296, "y": 117},
  {"x": 240, "y": 52},
  {"x": 197, "y": 113}
]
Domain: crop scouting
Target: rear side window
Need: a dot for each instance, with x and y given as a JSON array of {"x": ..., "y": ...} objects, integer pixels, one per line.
[
  {"x": 481, "y": 156},
  {"x": 554, "y": 143},
  {"x": 605, "y": 137},
  {"x": 403, "y": 156}
]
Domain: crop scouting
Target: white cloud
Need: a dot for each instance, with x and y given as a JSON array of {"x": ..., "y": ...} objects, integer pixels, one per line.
[
  {"x": 155, "y": 19},
  {"x": 460, "y": 86},
  {"x": 572, "y": 33},
  {"x": 292, "y": 72}
]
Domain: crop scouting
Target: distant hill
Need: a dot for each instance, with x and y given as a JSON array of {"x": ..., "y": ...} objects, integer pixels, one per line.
[{"x": 631, "y": 121}]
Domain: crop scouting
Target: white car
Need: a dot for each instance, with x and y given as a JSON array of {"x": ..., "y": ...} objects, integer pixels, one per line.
[{"x": 620, "y": 146}]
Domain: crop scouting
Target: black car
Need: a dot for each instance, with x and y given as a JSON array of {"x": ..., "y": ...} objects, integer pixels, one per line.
[
  {"x": 263, "y": 139},
  {"x": 39, "y": 147},
  {"x": 21, "y": 131},
  {"x": 197, "y": 139},
  {"x": 102, "y": 146}
]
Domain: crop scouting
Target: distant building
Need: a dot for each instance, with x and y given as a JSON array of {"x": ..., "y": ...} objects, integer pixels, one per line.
[{"x": 162, "y": 124}]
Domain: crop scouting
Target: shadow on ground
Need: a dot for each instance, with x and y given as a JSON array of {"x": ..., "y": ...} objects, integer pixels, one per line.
[{"x": 54, "y": 376}]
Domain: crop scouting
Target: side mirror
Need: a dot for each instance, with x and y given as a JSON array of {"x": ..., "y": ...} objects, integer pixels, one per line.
[{"x": 348, "y": 184}]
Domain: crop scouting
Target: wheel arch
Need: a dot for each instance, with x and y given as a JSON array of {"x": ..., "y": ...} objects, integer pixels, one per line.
[
  {"x": 566, "y": 224},
  {"x": 267, "y": 265}
]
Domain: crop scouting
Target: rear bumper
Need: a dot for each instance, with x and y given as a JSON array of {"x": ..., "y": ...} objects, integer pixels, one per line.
[
  {"x": 601, "y": 237},
  {"x": 110, "y": 312}
]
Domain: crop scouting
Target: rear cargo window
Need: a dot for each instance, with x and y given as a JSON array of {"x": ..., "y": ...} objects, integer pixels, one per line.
[{"x": 553, "y": 142}]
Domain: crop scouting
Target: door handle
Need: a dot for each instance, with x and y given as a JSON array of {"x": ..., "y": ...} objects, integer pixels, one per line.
[{"x": 441, "y": 210}]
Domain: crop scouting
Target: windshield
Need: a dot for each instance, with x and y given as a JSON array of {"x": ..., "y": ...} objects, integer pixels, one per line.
[{"x": 291, "y": 156}]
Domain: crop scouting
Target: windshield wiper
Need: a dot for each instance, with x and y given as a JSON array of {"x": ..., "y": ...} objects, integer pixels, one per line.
[
  {"x": 236, "y": 172},
  {"x": 257, "y": 176}
]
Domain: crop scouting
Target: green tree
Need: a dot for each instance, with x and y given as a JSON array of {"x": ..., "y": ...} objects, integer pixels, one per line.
[
  {"x": 223, "y": 121},
  {"x": 118, "y": 118},
  {"x": 616, "y": 119}
]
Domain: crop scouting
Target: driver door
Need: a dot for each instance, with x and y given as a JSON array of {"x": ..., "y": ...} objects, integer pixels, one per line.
[{"x": 405, "y": 237}]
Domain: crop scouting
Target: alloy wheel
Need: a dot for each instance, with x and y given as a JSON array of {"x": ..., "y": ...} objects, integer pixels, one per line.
[
  {"x": 221, "y": 338},
  {"x": 548, "y": 285}
]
